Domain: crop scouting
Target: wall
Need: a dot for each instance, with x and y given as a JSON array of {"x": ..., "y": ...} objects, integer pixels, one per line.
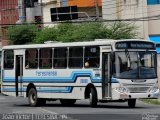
[
  {"x": 127, "y": 9},
  {"x": 84, "y": 3},
  {"x": 154, "y": 24},
  {"x": 46, "y": 10},
  {"x": 8, "y": 11}
]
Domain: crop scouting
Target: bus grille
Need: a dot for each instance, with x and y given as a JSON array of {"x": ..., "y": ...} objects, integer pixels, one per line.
[{"x": 138, "y": 89}]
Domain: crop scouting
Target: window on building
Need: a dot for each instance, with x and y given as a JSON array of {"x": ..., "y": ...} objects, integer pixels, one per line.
[
  {"x": 158, "y": 45},
  {"x": 76, "y": 57},
  {"x": 8, "y": 59},
  {"x": 60, "y": 58},
  {"x": 91, "y": 57},
  {"x": 45, "y": 58},
  {"x": 29, "y": 3},
  {"x": 153, "y": 2},
  {"x": 31, "y": 58}
]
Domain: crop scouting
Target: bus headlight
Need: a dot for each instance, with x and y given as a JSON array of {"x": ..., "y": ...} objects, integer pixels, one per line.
[
  {"x": 122, "y": 90},
  {"x": 153, "y": 89}
]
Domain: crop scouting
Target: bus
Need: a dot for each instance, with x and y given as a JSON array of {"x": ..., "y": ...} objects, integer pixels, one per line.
[{"x": 100, "y": 71}]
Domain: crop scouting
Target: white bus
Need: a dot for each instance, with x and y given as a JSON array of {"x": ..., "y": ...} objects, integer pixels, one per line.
[{"x": 101, "y": 71}]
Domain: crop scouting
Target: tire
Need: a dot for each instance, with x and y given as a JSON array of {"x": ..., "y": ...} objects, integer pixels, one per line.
[
  {"x": 93, "y": 98},
  {"x": 68, "y": 102},
  {"x": 132, "y": 103},
  {"x": 32, "y": 98}
]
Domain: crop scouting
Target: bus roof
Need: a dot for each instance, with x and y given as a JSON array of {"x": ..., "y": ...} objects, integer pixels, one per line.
[{"x": 69, "y": 44}]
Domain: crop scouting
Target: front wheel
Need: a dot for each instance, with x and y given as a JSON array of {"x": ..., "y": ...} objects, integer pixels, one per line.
[
  {"x": 132, "y": 103},
  {"x": 33, "y": 100},
  {"x": 93, "y": 98},
  {"x": 32, "y": 97}
]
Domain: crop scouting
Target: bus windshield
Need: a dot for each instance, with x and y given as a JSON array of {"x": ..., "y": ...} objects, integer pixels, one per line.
[{"x": 135, "y": 65}]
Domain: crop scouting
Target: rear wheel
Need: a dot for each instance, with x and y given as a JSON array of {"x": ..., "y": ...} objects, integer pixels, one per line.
[
  {"x": 93, "y": 98},
  {"x": 67, "y": 102},
  {"x": 132, "y": 103}
]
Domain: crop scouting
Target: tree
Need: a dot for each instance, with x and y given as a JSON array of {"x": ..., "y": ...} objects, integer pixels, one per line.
[
  {"x": 69, "y": 32},
  {"x": 121, "y": 30},
  {"x": 22, "y": 34},
  {"x": 47, "y": 34}
]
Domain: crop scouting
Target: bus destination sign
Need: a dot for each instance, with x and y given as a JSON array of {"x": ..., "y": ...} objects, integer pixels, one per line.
[{"x": 135, "y": 45}]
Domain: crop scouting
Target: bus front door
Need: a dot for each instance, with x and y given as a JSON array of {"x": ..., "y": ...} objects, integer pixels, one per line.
[
  {"x": 18, "y": 75},
  {"x": 106, "y": 77}
]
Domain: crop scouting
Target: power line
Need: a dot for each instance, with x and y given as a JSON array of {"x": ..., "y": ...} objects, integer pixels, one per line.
[{"x": 157, "y": 17}]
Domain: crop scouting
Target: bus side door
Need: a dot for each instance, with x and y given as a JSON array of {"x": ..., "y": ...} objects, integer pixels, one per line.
[
  {"x": 19, "y": 75},
  {"x": 106, "y": 76}
]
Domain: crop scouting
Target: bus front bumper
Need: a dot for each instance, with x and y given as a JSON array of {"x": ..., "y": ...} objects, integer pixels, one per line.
[{"x": 156, "y": 94}]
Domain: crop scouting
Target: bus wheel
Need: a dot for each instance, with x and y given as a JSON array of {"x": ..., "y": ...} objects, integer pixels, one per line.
[
  {"x": 67, "y": 102},
  {"x": 93, "y": 98},
  {"x": 132, "y": 103},
  {"x": 32, "y": 97}
]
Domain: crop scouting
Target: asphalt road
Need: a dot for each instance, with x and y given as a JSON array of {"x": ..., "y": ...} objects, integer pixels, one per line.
[{"x": 11, "y": 106}]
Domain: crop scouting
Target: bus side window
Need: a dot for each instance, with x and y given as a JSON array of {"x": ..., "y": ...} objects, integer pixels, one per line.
[
  {"x": 45, "y": 58},
  {"x": 60, "y": 58},
  {"x": 76, "y": 57},
  {"x": 8, "y": 59},
  {"x": 92, "y": 57},
  {"x": 31, "y": 58}
]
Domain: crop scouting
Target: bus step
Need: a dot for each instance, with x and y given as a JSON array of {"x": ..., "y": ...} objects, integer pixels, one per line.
[
  {"x": 107, "y": 98},
  {"x": 20, "y": 96}
]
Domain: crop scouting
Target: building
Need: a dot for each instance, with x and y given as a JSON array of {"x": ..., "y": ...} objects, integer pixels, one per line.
[
  {"x": 131, "y": 11},
  {"x": 33, "y": 11},
  {"x": 91, "y": 8},
  {"x": 154, "y": 10},
  {"x": 85, "y": 9},
  {"x": 8, "y": 16},
  {"x": 143, "y": 13},
  {"x": 46, "y": 6}
]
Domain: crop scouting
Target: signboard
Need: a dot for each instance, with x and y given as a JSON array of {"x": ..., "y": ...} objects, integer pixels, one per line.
[
  {"x": 64, "y": 13},
  {"x": 135, "y": 45}
]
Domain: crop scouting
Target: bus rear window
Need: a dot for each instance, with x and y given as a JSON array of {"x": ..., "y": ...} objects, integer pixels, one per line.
[{"x": 8, "y": 59}]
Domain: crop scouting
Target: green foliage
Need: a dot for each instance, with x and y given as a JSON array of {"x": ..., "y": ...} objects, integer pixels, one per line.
[
  {"x": 151, "y": 101},
  {"x": 47, "y": 34},
  {"x": 22, "y": 34},
  {"x": 121, "y": 30},
  {"x": 68, "y": 32}
]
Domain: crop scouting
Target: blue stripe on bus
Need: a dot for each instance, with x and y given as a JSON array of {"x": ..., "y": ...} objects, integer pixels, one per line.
[
  {"x": 13, "y": 89},
  {"x": 45, "y": 90},
  {"x": 71, "y": 79}
]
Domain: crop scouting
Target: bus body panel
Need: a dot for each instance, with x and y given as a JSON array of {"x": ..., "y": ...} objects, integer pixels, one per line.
[{"x": 69, "y": 83}]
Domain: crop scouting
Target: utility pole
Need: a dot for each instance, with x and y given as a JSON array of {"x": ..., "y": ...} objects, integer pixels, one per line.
[
  {"x": 97, "y": 9},
  {"x": 41, "y": 11},
  {"x": 118, "y": 9}
]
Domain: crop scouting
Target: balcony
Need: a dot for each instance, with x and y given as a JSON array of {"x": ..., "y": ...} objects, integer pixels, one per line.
[{"x": 48, "y": 2}]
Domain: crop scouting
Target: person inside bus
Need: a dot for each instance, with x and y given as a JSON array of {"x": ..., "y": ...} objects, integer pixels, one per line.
[{"x": 86, "y": 64}]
